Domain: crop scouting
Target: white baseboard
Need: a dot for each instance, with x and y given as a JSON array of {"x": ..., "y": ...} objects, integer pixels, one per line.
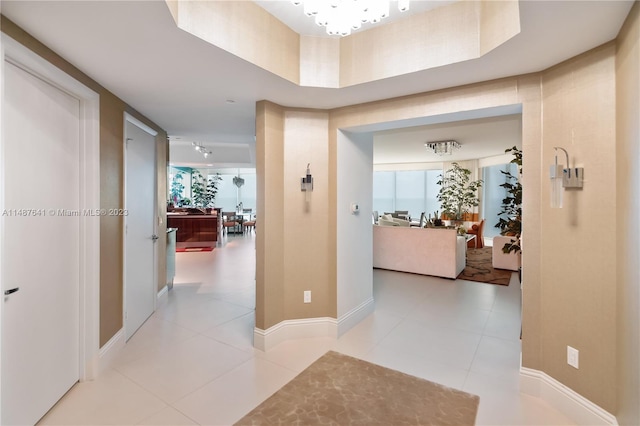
[
  {"x": 164, "y": 291},
  {"x": 294, "y": 329},
  {"x": 110, "y": 351},
  {"x": 563, "y": 398},
  {"x": 310, "y": 327},
  {"x": 354, "y": 316}
]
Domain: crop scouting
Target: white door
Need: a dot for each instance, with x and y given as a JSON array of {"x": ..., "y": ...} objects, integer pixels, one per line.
[
  {"x": 40, "y": 255},
  {"x": 140, "y": 178}
]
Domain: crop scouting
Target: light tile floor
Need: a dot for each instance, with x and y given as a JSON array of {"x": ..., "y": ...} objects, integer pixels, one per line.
[{"x": 193, "y": 362}]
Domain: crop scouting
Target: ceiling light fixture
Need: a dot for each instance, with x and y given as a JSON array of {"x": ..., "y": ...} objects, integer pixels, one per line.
[
  {"x": 238, "y": 181},
  {"x": 443, "y": 147},
  {"x": 201, "y": 149},
  {"x": 340, "y": 17}
]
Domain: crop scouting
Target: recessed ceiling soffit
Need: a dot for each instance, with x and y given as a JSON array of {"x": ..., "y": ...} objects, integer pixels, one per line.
[{"x": 455, "y": 32}]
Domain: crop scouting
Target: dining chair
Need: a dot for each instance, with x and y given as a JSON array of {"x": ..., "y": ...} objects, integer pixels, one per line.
[
  {"x": 248, "y": 225},
  {"x": 230, "y": 221}
]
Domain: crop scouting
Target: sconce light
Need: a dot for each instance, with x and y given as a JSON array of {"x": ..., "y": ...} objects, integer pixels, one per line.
[
  {"x": 307, "y": 183},
  {"x": 563, "y": 178}
]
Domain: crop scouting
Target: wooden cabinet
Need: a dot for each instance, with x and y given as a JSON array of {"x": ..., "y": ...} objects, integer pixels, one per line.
[{"x": 194, "y": 230}]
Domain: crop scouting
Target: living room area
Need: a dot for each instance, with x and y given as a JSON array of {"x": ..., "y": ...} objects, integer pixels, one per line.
[{"x": 462, "y": 176}]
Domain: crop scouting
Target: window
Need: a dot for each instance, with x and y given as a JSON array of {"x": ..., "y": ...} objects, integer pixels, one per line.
[
  {"x": 247, "y": 193},
  {"x": 384, "y": 184},
  {"x": 412, "y": 190},
  {"x": 494, "y": 194},
  {"x": 229, "y": 195}
]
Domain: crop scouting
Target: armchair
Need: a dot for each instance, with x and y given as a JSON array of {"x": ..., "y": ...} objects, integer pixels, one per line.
[{"x": 477, "y": 230}]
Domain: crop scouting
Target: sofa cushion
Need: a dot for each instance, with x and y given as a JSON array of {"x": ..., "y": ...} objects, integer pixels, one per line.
[{"x": 402, "y": 222}]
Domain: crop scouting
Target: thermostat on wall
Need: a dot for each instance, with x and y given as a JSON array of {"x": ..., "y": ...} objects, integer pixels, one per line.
[{"x": 355, "y": 208}]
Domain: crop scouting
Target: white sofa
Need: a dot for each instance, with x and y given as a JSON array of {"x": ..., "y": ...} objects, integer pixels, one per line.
[
  {"x": 388, "y": 220},
  {"x": 426, "y": 251},
  {"x": 501, "y": 260}
]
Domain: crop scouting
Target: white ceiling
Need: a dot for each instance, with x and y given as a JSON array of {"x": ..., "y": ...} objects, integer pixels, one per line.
[
  {"x": 479, "y": 138},
  {"x": 135, "y": 50}
]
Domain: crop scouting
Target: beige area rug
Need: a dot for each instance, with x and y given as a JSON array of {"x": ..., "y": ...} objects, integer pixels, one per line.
[
  {"x": 479, "y": 268},
  {"x": 340, "y": 390}
]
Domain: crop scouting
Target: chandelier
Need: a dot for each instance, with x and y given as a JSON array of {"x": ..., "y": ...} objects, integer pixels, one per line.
[
  {"x": 443, "y": 147},
  {"x": 201, "y": 149},
  {"x": 238, "y": 181},
  {"x": 341, "y": 16}
]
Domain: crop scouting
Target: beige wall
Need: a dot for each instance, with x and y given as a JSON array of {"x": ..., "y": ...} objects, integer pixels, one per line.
[
  {"x": 628, "y": 225},
  {"x": 292, "y": 246},
  {"x": 569, "y": 291},
  {"x": 441, "y": 36},
  {"x": 578, "y": 242},
  {"x": 445, "y": 35},
  {"x": 244, "y": 29},
  {"x": 319, "y": 61},
  {"x": 270, "y": 202},
  {"x": 112, "y": 111},
  {"x": 111, "y": 196},
  {"x": 499, "y": 21},
  {"x": 306, "y": 248}
]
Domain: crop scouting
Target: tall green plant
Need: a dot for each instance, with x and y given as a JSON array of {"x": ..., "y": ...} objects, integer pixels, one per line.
[
  {"x": 176, "y": 188},
  {"x": 510, "y": 222},
  {"x": 212, "y": 189},
  {"x": 458, "y": 194},
  {"x": 204, "y": 190},
  {"x": 198, "y": 189}
]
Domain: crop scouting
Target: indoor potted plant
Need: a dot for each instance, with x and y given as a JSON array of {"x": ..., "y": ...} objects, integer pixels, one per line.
[
  {"x": 204, "y": 190},
  {"x": 510, "y": 222},
  {"x": 176, "y": 188},
  {"x": 458, "y": 194},
  {"x": 212, "y": 190},
  {"x": 198, "y": 188}
]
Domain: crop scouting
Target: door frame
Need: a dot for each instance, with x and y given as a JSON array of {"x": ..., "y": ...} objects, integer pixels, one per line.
[
  {"x": 89, "y": 162},
  {"x": 128, "y": 118}
]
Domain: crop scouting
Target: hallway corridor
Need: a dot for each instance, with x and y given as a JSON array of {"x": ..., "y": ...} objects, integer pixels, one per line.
[{"x": 193, "y": 362}]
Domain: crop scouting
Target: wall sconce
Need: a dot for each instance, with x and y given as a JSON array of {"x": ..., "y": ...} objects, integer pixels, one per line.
[
  {"x": 562, "y": 178},
  {"x": 307, "y": 183}
]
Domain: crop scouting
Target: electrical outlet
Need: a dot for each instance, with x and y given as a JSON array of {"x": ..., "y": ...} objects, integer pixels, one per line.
[
  {"x": 307, "y": 296},
  {"x": 573, "y": 357}
]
